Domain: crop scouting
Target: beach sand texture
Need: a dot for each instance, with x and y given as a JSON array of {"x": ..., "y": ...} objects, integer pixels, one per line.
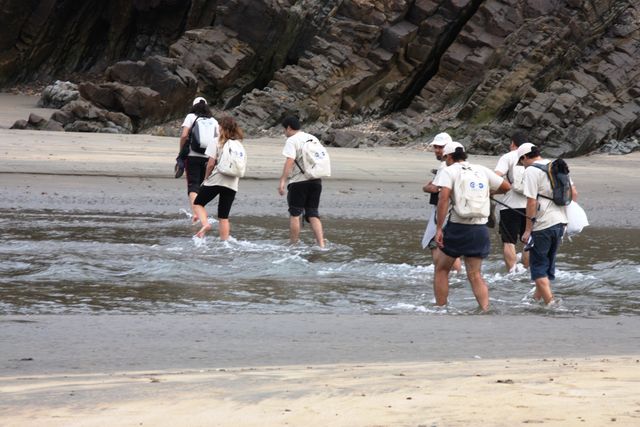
[{"x": 94, "y": 371}]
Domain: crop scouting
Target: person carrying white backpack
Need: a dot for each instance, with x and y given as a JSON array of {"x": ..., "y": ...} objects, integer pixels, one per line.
[
  {"x": 466, "y": 188},
  {"x": 307, "y": 162},
  {"x": 226, "y": 165}
]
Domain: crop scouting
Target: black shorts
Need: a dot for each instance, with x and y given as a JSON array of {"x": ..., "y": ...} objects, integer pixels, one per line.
[
  {"x": 195, "y": 167},
  {"x": 304, "y": 197},
  {"x": 469, "y": 240},
  {"x": 512, "y": 225},
  {"x": 208, "y": 193}
]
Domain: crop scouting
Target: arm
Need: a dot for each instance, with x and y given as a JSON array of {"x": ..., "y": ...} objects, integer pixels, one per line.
[
  {"x": 574, "y": 193},
  {"x": 504, "y": 187},
  {"x": 430, "y": 188},
  {"x": 286, "y": 171},
  {"x": 211, "y": 163},
  {"x": 443, "y": 208},
  {"x": 183, "y": 137},
  {"x": 532, "y": 206}
]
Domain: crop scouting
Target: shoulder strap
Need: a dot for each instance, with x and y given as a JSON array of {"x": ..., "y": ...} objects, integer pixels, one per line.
[
  {"x": 545, "y": 169},
  {"x": 192, "y": 126}
]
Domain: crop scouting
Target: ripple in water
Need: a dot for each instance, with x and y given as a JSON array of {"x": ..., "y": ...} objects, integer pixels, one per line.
[{"x": 61, "y": 262}]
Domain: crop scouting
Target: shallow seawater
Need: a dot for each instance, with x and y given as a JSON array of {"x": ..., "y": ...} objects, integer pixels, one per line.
[{"x": 71, "y": 262}]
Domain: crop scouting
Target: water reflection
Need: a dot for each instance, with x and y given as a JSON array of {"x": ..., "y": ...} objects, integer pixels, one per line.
[{"x": 58, "y": 262}]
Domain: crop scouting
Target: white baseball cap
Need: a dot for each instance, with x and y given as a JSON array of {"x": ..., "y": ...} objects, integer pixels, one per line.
[
  {"x": 441, "y": 140},
  {"x": 198, "y": 99},
  {"x": 525, "y": 149},
  {"x": 451, "y": 147}
]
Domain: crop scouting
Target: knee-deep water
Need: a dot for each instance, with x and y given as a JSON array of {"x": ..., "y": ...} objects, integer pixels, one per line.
[{"x": 74, "y": 262}]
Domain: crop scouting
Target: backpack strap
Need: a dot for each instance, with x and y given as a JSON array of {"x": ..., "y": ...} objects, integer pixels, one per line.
[{"x": 545, "y": 169}]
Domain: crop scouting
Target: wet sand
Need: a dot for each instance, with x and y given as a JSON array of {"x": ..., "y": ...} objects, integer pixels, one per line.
[{"x": 306, "y": 369}]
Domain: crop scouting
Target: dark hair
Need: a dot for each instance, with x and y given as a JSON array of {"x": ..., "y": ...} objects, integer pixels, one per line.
[
  {"x": 459, "y": 154},
  {"x": 201, "y": 109},
  {"x": 229, "y": 129},
  {"x": 535, "y": 152},
  {"x": 519, "y": 138},
  {"x": 291, "y": 122}
]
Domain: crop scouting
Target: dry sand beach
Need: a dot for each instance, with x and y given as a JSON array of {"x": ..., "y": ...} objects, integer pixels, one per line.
[{"x": 303, "y": 370}]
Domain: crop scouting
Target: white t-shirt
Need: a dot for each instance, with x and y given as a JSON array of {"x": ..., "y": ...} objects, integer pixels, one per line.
[
  {"x": 188, "y": 122},
  {"x": 505, "y": 166},
  {"x": 536, "y": 182},
  {"x": 292, "y": 150},
  {"x": 216, "y": 178},
  {"x": 448, "y": 176}
]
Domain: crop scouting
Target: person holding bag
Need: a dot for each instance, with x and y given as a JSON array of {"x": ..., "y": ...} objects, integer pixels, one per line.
[{"x": 199, "y": 130}]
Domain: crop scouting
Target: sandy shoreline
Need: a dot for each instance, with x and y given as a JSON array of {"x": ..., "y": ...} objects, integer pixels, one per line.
[
  {"x": 303, "y": 369},
  {"x": 316, "y": 370}
]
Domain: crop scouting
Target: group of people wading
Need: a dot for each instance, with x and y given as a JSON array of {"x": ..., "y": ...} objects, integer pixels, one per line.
[
  {"x": 206, "y": 180},
  {"x": 461, "y": 193}
]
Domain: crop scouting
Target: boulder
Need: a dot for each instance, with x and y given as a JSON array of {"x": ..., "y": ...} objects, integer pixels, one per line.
[{"x": 58, "y": 94}]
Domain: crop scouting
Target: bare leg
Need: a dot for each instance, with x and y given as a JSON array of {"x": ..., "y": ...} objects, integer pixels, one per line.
[
  {"x": 525, "y": 259},
  {"x": 478, "y": 285},
  {"x": 441, "y": 277},
  {"x": 224, "y": 228},
  {"x": 316, "y": 226},
  {"x": 294, "y": 229},
  {"x": 192, "y": 197},
  {"x": 457, "y": 264},
  {"x": 201, "y": 214},
  {"x": 543, "y": 290},
  {"x": 510, "y": 258}
]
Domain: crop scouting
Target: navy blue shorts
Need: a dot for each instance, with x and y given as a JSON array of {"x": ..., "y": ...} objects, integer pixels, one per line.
[
  {"x": 542, "y": 258},
  {"x": 195, "y": 167},
  {"x": 208, "y": 192},
  {"x": 468, "y": 240},
  {"x": 304, "y": 197}
]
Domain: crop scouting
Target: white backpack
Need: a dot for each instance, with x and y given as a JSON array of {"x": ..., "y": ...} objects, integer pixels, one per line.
[
  {"x": 233, "y": 159},
  {"x": 315, "y": 159},
  {"x": 471, "y": 194},
  {"x": 204, "y": 132},
  {"x": 517, "y": 180}
]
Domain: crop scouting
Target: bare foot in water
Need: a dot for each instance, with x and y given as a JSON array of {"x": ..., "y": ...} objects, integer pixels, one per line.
[{"x": 200, "y": 234}]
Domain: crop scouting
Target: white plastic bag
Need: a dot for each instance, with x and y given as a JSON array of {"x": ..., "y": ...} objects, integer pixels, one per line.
[
  {"x": 577, "y": 219},
  {"x": 430, "y": 231}
]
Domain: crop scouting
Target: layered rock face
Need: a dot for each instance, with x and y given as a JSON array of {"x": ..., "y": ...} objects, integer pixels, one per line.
[{"x": 361, "y": 71}]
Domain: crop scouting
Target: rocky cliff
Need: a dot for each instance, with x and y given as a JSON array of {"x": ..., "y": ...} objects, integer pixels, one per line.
[{"x": 357, "y": 71}]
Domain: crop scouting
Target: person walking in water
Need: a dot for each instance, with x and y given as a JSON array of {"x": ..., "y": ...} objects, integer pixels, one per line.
[
  {"x": 217, "y": 183},
  {"x": 512, "y": 216},
  {"x": 467, "y": 188},
  {"x": 438, "y": 143},
  {"x": 303, "y": 193},
  {"x": 549, "y": 219},
  {"x": 199, "y": 130}
]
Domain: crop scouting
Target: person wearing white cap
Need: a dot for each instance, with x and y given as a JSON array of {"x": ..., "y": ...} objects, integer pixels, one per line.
[
  {"x": 437, "y": 145},
  {"x": 466, "y": 188},
  {"x": 545, "y": 221},
  {"x": 198, "y": 122},
  {"x": 512, "y": 205}
]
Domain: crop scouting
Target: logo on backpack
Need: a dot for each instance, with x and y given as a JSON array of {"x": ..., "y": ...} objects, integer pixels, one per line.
[
  {"x": 315, "y": 159},
  {"x": 558, "y": 173},
  {"x": 233, "y": 159},
  {"x": 203, "y": 133},
  {"x": 471, "y": 194}
]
